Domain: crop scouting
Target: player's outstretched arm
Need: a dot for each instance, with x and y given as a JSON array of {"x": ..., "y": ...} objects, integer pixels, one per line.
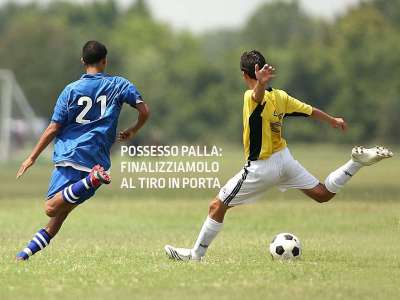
[
  {"x": 263, "y": 76},
  {"x": 48, "y": 135},
  {"x": 322, "y": 116},
  {"x": 144, "y": 113}
]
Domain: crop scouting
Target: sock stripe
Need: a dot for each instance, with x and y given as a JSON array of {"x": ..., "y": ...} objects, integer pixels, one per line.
[
  {"x": 66, "y": 197},
  {"x": 41, "y": 237},
  {"x": 85, "y": 183},
  {"x": 27, "y": 251},
  {"x": 39, "y": 241},
  {"x": 45, "y": 234},
  {"x": 35, "y": 239},
  {"x": 71, "y": 193}
]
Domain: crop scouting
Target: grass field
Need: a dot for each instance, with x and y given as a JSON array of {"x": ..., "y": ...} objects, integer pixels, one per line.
[{"x": 112, "y": 246}]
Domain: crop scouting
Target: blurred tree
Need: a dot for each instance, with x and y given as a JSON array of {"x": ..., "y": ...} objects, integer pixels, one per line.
[
  {"x": 279, "y": 24},
  {"x": 349, "y": 66},
  {"x": 389, "y": 9},
  {"x": 43, "y": 55},
  {"x": 368, "y": 70}
]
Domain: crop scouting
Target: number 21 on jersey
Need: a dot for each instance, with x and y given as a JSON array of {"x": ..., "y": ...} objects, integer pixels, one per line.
[{"x": 87, "y": 102}]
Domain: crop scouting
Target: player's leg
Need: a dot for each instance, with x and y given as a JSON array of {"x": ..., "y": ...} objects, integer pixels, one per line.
[
  {"x": 360, "y": 157},
  {"x": 210, "y": 229},
  {"x": 58, "y": 210},
  {"x": 63, "y": 202},
  {"x": 245, "y": 187},
  {"x": 319, "y": 193}
]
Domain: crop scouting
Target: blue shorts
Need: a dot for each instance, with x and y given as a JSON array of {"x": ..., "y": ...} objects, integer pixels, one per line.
[{"x": 65, "y": 176}]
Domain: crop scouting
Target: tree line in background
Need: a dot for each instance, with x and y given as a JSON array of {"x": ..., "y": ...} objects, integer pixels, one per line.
[{"x": 349, "y": 66}]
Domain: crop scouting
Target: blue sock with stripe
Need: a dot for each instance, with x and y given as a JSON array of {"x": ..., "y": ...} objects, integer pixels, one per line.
[
  {"x": 40, "y": 241},
  {"x": 73, "y": 192}
]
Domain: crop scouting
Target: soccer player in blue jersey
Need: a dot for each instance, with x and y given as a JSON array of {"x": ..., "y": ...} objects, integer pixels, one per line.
[{"x": 84, "y": 125}]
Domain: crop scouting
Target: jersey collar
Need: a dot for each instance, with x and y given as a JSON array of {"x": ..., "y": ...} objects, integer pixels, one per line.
[{"x": 97, "y": 75}]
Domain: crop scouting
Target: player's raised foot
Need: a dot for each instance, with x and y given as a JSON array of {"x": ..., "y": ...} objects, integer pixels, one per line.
[
  {"x": 182, "y": 254},
  {"x": 99, "y": 176},
  {"x": 370, "y": 156}
]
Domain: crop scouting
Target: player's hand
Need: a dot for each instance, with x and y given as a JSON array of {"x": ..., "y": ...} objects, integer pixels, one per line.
[
  {"x": 126, "y": 135},
  {"x": 25, "y": 166},
  {"x": 265, "y": 74},
  {"x": 339, "y": 123}
]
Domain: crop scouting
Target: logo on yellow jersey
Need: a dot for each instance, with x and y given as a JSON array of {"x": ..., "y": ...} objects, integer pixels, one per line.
[
  {"x": 276, "y": 126},
  {"x": 280, "y": 116}
]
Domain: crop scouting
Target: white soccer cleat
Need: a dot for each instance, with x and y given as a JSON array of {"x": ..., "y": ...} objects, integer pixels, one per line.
[
  {"x": 370, "y": 156},
  {"x": 182, "y": 254}
]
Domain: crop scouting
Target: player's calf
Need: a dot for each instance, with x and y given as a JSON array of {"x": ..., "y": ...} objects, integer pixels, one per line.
[
  {"x": 217, "y": 210},
  {"x": 56, "y": 206},
  {"x": 58, "y": 210},
  {"x": 56, "y": 222},
  {"x": 319, "y": 193},
  {"x": 53, "y": 206}
]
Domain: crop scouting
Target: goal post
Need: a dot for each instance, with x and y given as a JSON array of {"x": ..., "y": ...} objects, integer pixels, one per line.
[{"x": 26, "y": 126}]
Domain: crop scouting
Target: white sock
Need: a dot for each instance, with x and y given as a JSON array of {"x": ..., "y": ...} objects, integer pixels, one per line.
[
  {"x": 338, "y": 178},
  {"x": 207, "y": 233}
]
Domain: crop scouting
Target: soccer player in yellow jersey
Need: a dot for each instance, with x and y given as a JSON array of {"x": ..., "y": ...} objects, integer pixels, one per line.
[{"x": 269, "y": 161}]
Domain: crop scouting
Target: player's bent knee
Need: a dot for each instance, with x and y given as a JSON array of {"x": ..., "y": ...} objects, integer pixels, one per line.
[
  {"x": 217, "y": 210},
  {"x": 51, "y": 209},
  {"x": 216, "y": 205},
  {"x": 320, "y": 194}
]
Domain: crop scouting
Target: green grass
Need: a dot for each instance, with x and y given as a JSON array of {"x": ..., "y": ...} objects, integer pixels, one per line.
[{"x": 112, "y": 246}]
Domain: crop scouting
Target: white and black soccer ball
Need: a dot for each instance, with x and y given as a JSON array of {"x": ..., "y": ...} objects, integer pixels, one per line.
[{"x": 285, "y": 246}]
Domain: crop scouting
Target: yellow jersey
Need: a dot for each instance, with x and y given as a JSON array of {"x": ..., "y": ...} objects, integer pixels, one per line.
[{"x": 262, "y": 122}]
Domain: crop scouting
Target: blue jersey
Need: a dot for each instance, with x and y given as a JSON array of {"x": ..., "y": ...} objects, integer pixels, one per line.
[{"x": 88, "y": 110}]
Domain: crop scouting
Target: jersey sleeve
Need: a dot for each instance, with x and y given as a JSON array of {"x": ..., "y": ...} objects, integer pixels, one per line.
[
  {"x": 247, "y": 96},
  {"x": 130, "y": 94},
  {"x": 296, "y": 107},
  {"x": 60, "y": 114}
]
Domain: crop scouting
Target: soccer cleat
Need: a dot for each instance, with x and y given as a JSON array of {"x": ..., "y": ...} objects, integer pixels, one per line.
[
  {"x": 22, "y": 256},
  {"x": 370, "y": 156},
  {"x": 181, "y": 254},
  {"x": 98, "y": 176}
]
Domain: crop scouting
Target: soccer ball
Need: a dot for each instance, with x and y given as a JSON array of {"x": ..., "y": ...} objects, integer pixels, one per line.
[{"x": 285, "y": 246}]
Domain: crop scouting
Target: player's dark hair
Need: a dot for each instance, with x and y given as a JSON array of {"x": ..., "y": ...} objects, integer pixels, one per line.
[
  {"x": 93, "y": 52},
  {"x": 249, "y": 60}
]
